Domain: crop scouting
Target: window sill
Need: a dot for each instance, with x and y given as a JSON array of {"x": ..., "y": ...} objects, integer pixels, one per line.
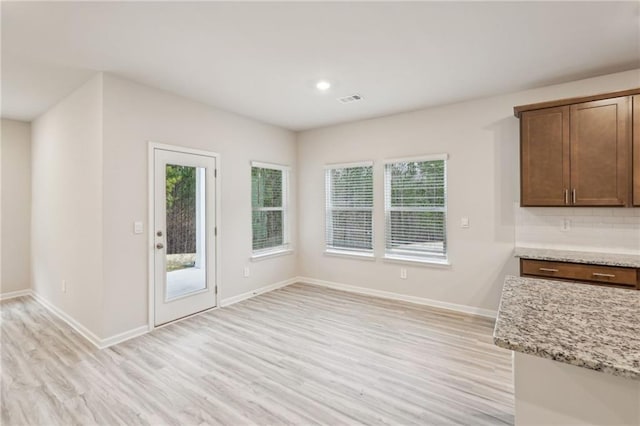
[
  {"x": 444, "y": 263},
  {"x": 350, "y": 254},
  {"x": 267, "y": 255}
]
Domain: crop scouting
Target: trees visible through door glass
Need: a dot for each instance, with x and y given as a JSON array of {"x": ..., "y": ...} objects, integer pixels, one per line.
[{"x": 185, "y": 222}]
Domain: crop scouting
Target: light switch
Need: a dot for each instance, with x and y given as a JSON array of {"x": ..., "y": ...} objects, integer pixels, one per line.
[
  {"x": 464, "y": 222},
  {"x": 138, "y": 228}
]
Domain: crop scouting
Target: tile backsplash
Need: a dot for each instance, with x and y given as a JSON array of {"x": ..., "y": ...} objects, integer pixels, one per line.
[{"x": 615, "y": 230}]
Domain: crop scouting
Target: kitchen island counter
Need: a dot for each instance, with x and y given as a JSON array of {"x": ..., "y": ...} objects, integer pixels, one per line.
[
  {"x": 586, "y": 326},
  {"x": 576, "y": 351}
]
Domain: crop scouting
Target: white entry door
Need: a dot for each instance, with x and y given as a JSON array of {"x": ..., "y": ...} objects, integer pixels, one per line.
[{"x": 184, "y": 234}]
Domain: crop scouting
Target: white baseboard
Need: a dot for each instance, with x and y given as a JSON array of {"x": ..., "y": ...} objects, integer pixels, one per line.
[
  {"x": 72, "y": 322},
  {"x": 121, "y": 337},
  {"x": 138, "y": 331},
  {"x": 12, "y": 294},
  {"x": 244, "y": 296},
  {"x": 84, "y": 331},
  {"x": 402, "y": 297}
]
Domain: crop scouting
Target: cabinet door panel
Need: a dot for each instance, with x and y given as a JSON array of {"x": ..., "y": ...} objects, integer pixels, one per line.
[
  {"x": 636, "y": 150},
  {"x": 544, "y": 157},
  {"x": 600, "y": 152}
]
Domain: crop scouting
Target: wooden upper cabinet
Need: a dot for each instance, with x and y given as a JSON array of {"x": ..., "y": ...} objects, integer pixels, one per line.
[
  {"x": 581, "y": 151},
  {"x": 600, "y": 133},
  {"x": 544, "y": 157},
  {"x": 636, "y": 150}
]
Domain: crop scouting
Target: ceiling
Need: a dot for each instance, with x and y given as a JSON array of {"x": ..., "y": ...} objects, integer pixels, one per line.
[{"x": 262, "y": 59}]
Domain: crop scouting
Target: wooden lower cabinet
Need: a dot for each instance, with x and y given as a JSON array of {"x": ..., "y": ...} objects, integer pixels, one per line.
[{"x": 593, "y": 274}]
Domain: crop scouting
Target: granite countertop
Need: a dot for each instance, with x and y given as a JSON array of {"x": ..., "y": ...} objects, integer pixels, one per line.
[
  {"x": 588, "y": 326},
  {"x": 592, "y": 258}
]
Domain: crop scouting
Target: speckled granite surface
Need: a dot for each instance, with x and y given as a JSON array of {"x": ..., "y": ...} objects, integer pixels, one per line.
[
  {"x": 609, "y": 259},
  {"x": 583, "y": 325}
]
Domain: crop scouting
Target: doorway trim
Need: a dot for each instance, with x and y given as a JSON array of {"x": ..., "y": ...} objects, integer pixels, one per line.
[{"x": 152, "y": 146}]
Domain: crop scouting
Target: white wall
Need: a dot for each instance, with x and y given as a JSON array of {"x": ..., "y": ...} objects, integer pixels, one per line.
[
  {"x": 89, "y": 184},
  {"x": 16, "y": 206},
  {"x": 135, "y": 114},
  {"x": 66, "y": 227},
  {"x": 482, "y": 139},
  {"x": 614, "y": 230}
]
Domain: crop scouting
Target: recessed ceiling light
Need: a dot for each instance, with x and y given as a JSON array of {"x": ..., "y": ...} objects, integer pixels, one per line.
[{"x": 323, "y": 85}]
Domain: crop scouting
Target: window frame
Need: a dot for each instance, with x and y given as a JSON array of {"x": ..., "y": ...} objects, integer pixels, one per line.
[
  {"x": 400, "y": 255},
  {"x": 345, "y": 251},
  {"x": 285, "y": 247}
]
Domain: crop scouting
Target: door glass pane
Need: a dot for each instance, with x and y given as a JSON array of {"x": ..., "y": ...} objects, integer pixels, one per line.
[{"x": 186, "y": 256}]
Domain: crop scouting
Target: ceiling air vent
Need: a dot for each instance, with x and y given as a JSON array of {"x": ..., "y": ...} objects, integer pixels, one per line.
[{"x": 349, "y": 99}]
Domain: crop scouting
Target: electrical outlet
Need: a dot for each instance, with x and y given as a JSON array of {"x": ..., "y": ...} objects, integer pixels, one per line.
[
  {"x": 247, "y": 272},
  {"x": 566, "y": 225},
  {"x": 63, "y": 286},
  {"x": 464, "y": 222},
  {"x": 403, "y": 273}
]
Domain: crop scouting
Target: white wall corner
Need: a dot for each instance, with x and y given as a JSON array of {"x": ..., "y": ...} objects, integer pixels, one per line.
[
  {"x": 81, "y": 329},
  {"x": 72, "y": 322}
]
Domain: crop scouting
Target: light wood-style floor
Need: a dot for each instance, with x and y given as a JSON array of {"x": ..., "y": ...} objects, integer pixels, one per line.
[{"x": 299, "y": 355}]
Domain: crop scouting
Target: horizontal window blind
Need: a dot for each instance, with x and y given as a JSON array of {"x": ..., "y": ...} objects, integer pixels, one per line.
[
  {"x": 349, "y": 208},
  {"x": 415, "y": 208},
  {"x": 269, "y": 202}
]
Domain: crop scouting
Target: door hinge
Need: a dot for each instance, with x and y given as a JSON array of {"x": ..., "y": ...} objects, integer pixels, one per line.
[
  {"x": 215, "y": 231},
  {"x": 216, "y": 289},
  {"x": 215, "y": 173}
]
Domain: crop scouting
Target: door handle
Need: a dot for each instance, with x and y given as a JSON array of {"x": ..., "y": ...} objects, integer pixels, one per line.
[
  {"x": 159, "y": 246},
  {"x": 548, "y": 270},
  {"x": 573, "y": 195},
  {"x": 566, "y": 196}
]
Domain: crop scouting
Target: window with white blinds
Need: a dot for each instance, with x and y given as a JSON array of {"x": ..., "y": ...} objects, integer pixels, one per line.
[
  {"x": 416, "y": 208},
  {"x": 269, "y": 190},
  {"x": 349, "y": 208}
]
